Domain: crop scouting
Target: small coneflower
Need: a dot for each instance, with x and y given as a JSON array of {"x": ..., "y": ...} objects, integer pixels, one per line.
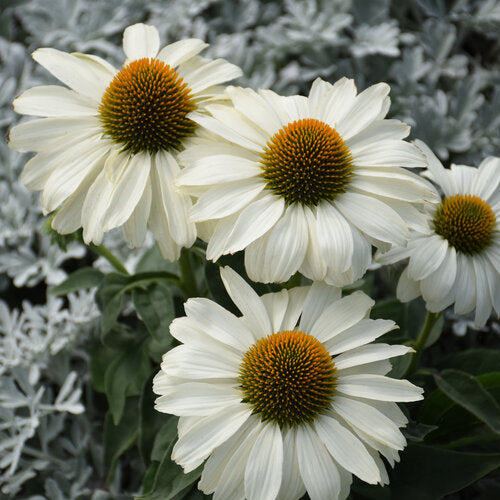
[{"x": 458, "y": 260}]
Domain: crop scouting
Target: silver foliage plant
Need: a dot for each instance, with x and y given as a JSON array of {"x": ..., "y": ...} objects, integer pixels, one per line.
[{"x": 441, "y": 82}]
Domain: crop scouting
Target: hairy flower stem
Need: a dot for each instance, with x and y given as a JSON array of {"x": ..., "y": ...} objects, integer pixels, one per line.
[
  {"x": 419, "y": 345},
  {"x": 111, "y": 258},
  {"x": 188, "y": 280}
]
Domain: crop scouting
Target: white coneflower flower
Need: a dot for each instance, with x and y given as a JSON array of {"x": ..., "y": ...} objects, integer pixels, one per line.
[
  {"x": 288, "y": 398},
  {"x": 458, "y": 261},
  {"x": 305, "y": 183},
  {"x": 108, "y": 145}
]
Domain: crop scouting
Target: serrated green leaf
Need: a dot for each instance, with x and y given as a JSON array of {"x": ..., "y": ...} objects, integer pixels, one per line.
[
  {"x": 467, "y": 392},
  {"x": 81, "y": 279},
  {"x": 430, "y": 473},
  {"x": 118, "y": 438}
]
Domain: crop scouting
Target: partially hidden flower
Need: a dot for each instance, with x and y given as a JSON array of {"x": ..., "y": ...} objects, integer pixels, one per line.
[
  {"x": 305, "y": 184},
  {"x": 107, "y": 147},
  {"x": 290, "y": 397},
  {"x": 458, "y": 260}
]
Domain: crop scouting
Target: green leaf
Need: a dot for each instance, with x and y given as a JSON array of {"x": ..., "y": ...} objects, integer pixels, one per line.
[
  {"x": 435, "y": 332},
  {"x": 416, "y": 431},
  {"x": 170, "y": 479},
  {"x": 110, "y": 299},
  {"x": 467, "y": 392},
  {"x": 429, "y": 473},
  {"x": 151, "y": 421},
  {"x": 84, "y": 278},
  {"x": 118, "y": 438},
  {"x": 125, "y": 377},
  {"x": 100, "y": 359},
  {"x": 474, "y": 361},
  {"x": 155, "y": 305}
]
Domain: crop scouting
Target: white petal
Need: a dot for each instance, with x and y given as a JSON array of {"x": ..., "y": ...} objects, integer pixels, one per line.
[
  {"x": 340, "y": 100},
  {"x": 317, "y": 468},
  {"x": 493, "y": 284},
  {"x": 140, "y": 41},
  {"x": 364, "y": 111},
  {"x": 247, "y": 301},
  {"x": 488, "y": 178},
  {"x": 134, "y": 229},
  {"x": 388, "y": 153},
  {"x": 180, "y": 51},
  {"x": 51, "y": 133},
  {"x": 427, "y": 254},
  {"x": 98, "y": 197},
  {"x": 176, "y": 205},
  {"x": 296, "y": 300},
  {"x": 380, "y": 130},
  {"x": 218, "y": 169},
  {"x": 407, "y": 289},
  {"x": 128, "y": 190},
  {"x": 207, "y": 434},
  {"x": 255, "y": 108},
  {"x": 198, "y": 398},
  {"x": 230, "y": 131},
  {"x": 341, "y": 315},
  {"x": 379, "y": 387},
  {"x": 67, "y": 177},
  {"x": 276, "y": 304},
  {"x": 441, "y": 281},
  {"x": 218, "y": 240},
  {"x": 292, "y": 486},
  {"x": 82, "y": 74},
  {"x": 212, "y": 362},
  {"x": 264, "y": 466},
  {"x": 254, "y": 221},
  {"x": 370, "y": 421},
  {"x": 368, "y": 354},
  {"x": 284, "y": 107},
  {"x": 314, "y": 266},
  {"x": 373, "y": 217},
  {"x": 483, "y": 299},
  {"x": 69, "y": 216},
  {"x": 226, "y": 466},
  {"x": 318, "y": 95},
  {"x": 361, "y": 333},
  {"x": 219, "y": 323},
  {"x": 438, "y": 172},
  {"x": 211, "y": 73},
  {"x": 394, "y": 182},
  {"x": 334, "y": 237},
  {"x": 225, "y": 200},
  {"x": 286, "y": 246},
  {"x": 319, "y": 298},
  {"x": 347, "y": 449},
  {"x": 52, "y": 100}
]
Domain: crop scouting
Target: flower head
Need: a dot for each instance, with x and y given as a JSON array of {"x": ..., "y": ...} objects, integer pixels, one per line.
[
  {"x": 290, "y": 396},
  {"x": 108, "y": 145},
  {"x": 305, "y": 184},
  {"x": 458, "y": 260}
]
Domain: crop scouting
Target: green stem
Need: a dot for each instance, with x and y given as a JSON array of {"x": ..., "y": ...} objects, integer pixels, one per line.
[
  {"x": 111, "y": 258},
  {"x": 188, "y": 280},
  {"x": 419, "y": 345}
]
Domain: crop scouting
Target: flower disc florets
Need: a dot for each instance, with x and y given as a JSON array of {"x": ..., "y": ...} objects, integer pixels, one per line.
[
  {"x": 288, "y": 378},
  {"x": 145, "y": 107},
  {"x": 307, "y": 162},
  {"x": 467, "y": 222}
]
